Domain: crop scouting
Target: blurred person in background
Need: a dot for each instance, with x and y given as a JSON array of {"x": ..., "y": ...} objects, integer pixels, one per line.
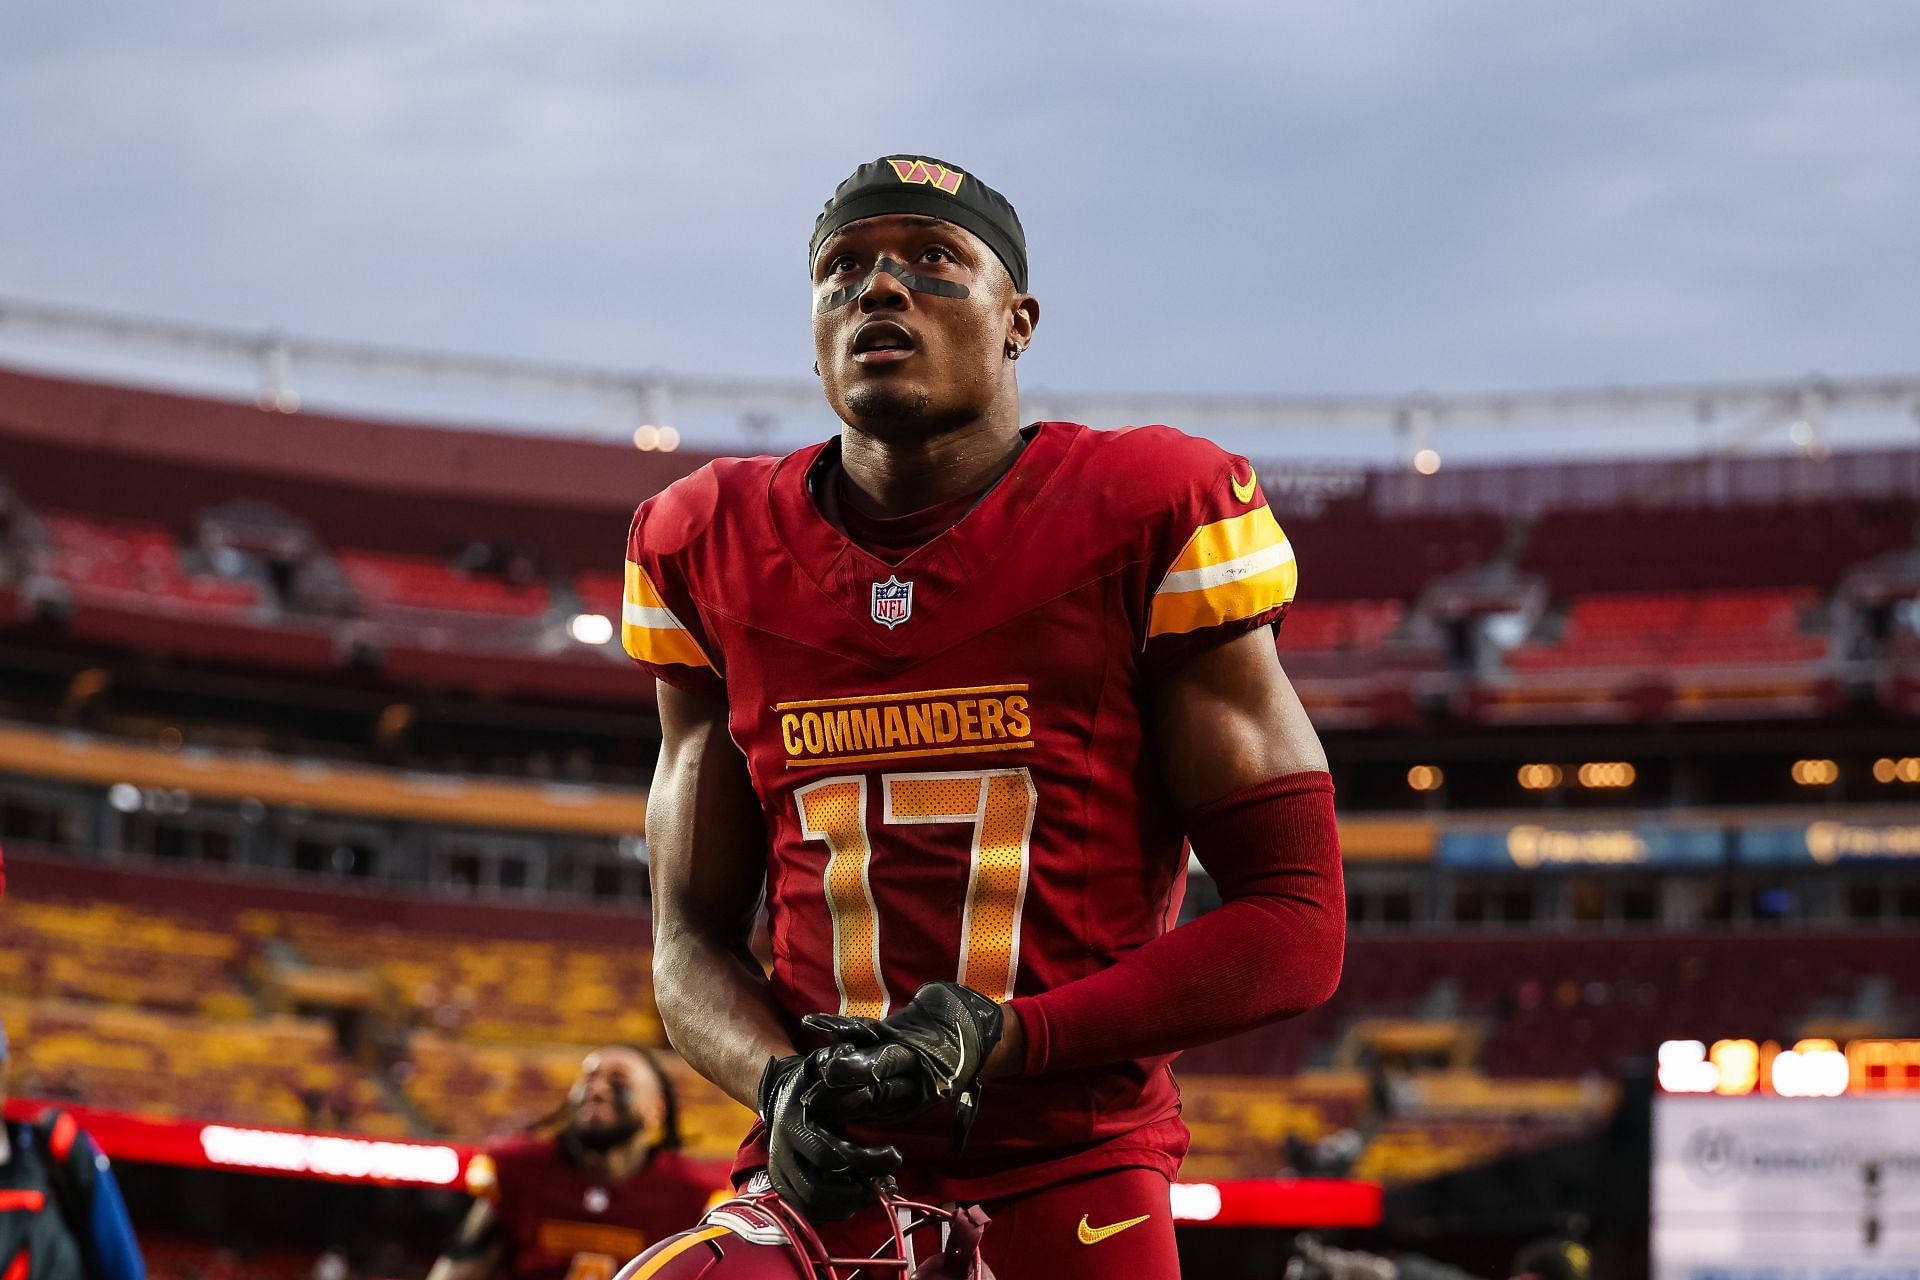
[
  {"x": 577, "y": 1204},
  {"x": 1553, "y": 1258},
  {"x": 61, "y": 1215}
]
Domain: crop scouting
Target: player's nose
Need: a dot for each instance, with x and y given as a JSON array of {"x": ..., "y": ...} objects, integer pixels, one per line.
[{"x": 883, "y": 293}]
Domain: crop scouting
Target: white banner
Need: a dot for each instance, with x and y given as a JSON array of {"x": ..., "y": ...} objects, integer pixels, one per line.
[{"x": 1761, "y": 1188}]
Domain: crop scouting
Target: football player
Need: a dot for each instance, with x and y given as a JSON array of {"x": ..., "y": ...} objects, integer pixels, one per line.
[
  {"x": 952, "y": 691},
  {"x": 577, "y": 1205},
  {"x": 61, "y": 1214}
]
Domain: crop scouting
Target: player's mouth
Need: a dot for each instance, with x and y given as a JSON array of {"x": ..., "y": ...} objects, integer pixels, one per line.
[{"x": 882, "y": 342}]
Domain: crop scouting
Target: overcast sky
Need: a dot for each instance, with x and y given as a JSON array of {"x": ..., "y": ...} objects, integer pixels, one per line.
[{"x": 1282, "y": 197}]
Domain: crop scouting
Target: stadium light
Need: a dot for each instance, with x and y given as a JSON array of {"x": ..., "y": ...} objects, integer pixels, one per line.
[
  {"x": 1816, "y": 773},
  {"x": 1540, "y": 777},
  {"x": 1739, "y": 1066},
  {"x": 1888, "y": 770},
  {"x": 1811, "y": 1069},
  {"x": 1601, "y": 775},
  {"x": 590, "y": 628},
  {"x": 1427, "y": 461},
  {"x": 1425, "y": 777},
  {"x": 1684, "y": 1067}
]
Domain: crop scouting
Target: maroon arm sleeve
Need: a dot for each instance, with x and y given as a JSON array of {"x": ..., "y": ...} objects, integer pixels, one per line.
[{"x": 1271, "y": 950}]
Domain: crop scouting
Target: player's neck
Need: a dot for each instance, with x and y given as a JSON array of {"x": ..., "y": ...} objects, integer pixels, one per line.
[
  {"x": 895, "y": 476},
  {"x": 617, "y": 1163}
]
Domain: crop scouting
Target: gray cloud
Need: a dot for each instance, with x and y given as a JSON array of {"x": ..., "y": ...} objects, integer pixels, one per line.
[{"x": 1298, "y": 197}]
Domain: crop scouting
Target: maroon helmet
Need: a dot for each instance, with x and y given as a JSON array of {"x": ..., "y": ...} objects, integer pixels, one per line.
[{"x": 757, "y": 1236}]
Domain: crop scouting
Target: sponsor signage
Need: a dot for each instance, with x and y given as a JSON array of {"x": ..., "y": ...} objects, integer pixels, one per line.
[
  {"x": 333, "y": 1157},
  {"x": 1279, "y": 1202},
  {"x": 1817, "y": 1188},
  {"x": 1826, "y": 842},
  {"x": 1531, "y": 845}
]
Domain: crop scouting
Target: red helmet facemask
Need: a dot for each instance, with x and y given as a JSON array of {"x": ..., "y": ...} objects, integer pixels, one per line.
[{"x": 760, "y": 1237}]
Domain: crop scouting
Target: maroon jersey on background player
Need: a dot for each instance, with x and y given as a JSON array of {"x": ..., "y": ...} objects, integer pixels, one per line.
[
  {"x": 558, "y": 1222},
  {"x": 949, "y": 749},
  {"x": 576, "y": 1205}
]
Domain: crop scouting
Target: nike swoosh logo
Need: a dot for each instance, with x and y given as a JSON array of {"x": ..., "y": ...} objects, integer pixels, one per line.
[
  {"x": 1244, "y": 492},
  {"x": 1094, "y": 1235}
]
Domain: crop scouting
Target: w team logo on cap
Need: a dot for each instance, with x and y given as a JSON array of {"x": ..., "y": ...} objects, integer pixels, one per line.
[
  {"x": 934, "y": 175},
  {"x": 892, "y": 602}
]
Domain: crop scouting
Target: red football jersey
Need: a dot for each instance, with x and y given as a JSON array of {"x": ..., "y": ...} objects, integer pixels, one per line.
[
  {"x": 557, "y": 1223},
  {"x": 951, "y": 751}
]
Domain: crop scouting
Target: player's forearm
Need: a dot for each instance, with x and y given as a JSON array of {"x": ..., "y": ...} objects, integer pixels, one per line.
[
  {"x": 707, "y": 865},
  {"x": 718, "y": 1011},
  {"x": 1273, "y": 950},
  {"x": 475, "y": 1252},
  {"x": 481, "y": 1267}
]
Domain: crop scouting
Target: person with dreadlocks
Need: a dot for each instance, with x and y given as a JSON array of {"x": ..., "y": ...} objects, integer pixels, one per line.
[{"x": 576, "y": 1204}]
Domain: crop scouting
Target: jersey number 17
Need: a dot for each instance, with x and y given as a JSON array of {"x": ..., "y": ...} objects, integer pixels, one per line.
[{"x": 995, "y": 804}]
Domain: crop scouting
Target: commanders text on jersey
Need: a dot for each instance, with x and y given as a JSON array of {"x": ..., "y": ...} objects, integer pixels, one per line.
[{"x": 896, "y": 726}]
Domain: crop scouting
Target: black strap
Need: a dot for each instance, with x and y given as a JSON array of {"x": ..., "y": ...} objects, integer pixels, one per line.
[{"x": 68, "y": 1196}]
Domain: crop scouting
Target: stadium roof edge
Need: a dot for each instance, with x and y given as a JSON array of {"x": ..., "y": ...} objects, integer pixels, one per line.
[{"x": 655, "y": 393}]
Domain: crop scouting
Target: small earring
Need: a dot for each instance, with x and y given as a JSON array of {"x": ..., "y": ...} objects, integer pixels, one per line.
[{"x": 1013, "y": 351}]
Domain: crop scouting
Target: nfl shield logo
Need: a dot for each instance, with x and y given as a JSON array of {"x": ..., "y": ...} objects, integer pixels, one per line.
[{"x": 892, "y": 602}]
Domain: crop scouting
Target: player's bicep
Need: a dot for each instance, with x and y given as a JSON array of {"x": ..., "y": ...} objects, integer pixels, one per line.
[
  {"x": 706, "y": 842},
  {"x": 1228, "y": 718}
]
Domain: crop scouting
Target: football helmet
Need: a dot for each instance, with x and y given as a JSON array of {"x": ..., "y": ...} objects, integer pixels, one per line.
[{"x": 758, "y": 1236}]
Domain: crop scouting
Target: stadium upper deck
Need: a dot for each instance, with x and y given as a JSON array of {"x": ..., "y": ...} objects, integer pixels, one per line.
[
  {"x": 196, "y": 583},
  {"x": 399, "y": 558}
]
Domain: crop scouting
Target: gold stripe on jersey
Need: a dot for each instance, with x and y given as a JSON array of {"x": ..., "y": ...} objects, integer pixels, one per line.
[
  {"x": 1235, "y": 568},
  {"x": 648, "y": 629},
  {"x": 693, "y": 1239}
]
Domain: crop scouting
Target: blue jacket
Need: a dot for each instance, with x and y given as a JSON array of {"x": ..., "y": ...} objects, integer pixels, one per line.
[{"x": 61, "y": 1216}]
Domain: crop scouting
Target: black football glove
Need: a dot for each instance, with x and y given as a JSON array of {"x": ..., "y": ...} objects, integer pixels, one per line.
[
  {"x": 818, "y": 1172},
  {"x": 930, "y": 1052}
]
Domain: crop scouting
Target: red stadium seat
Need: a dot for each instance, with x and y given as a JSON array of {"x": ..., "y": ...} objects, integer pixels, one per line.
[
  {"x": 1662, "y": 630},
  {"x": 387, "y": 581},
  {"x": 108, "y": 557}
]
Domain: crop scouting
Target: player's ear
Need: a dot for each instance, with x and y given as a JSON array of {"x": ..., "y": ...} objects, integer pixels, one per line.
[{"x": 1023, "y": 320}]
